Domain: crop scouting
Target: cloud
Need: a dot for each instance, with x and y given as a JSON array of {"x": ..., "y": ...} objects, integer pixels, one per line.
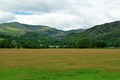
[
  {"x": 6, "y": 17},
  {"x": 32, "y": 5},
  {"x": 97, "y": 11},
  {"x": 58, "y": 20},
  {"x": 113, "y": 10},
  {"x": 61, "y": 14}
]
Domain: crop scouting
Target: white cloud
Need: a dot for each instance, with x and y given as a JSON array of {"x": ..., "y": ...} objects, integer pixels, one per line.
[
  {"x": 6, "y": 17},
  {"x": 58, "y": 20},
  {"x": 113, "y": 10},
  {"x": 62, "y": 14},
  {"x": 32, "y": 5}
]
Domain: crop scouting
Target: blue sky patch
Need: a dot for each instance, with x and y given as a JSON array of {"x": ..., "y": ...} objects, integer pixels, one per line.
[{"x": 22, "y": 13}]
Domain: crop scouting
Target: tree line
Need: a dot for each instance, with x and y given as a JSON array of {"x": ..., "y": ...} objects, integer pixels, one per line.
[{"x": 29, "y": 43}]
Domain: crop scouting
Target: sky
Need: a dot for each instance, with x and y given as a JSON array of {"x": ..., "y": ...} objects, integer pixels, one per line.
[{"x": 60, "y": 14}]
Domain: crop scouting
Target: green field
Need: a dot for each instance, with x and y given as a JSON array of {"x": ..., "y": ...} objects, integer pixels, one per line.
[{"x": 59, "y": 64}]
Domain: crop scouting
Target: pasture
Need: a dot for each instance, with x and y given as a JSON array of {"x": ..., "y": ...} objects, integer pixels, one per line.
[{"x": 59, "y": 64}]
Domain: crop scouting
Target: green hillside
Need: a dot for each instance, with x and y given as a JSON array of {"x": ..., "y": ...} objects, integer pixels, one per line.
[
  {"x": 108, "y": 32},
  {"x": 44, "y": 36},
  {"x": 35, "y": 36},
  {"x": 18, "y": 29}
]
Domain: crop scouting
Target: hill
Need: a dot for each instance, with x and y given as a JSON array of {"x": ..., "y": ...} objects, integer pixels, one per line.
[
  {"x": 108, "y": 32},
  {"x": 32, "y": 35},
  {"x": 38, "y": 35},
  {"x": 17, "y": 29}
]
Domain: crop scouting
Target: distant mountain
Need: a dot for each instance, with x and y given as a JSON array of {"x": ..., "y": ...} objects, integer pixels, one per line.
[
  {"x": 105, "y": 32},
  {"x": 75, "y": 31},
  {"x": 44, "y": 36},
  {"x": 17, "y": 29},
  {"x": 31, "y": 36}
]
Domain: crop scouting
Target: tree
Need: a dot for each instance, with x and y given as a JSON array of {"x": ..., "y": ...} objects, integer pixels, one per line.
[
  {"x": 5, "y": 43},
  {"x": 29, "y": 44},
  {"x": 84, "y": 43},
  {"x": 14, "y": 44},
  {"x": 1, "y": 44},
  {"x": 99, "y": 44}
]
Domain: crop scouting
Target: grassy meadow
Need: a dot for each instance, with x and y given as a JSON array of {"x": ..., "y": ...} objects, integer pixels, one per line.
[{"x": 59, "y": 64}]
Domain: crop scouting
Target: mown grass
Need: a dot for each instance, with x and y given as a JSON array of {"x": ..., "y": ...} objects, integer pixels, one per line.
[{"x": 59, "y": 64}]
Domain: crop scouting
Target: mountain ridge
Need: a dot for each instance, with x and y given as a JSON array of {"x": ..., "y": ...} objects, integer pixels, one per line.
[
  {"x": 45, "y": 35},
  {"x": 109, "y": 32},
  {"x": 44, "y": 30}
]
